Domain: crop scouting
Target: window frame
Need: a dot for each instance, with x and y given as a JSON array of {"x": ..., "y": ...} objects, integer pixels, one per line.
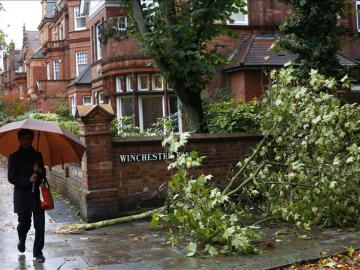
[
  {"x": 56, "y": 71},
  {"x": 73, "y": 104},
  {"x": 48, "y": 75},
  {"x": 141, "y": 111},
  {"x": 122, "y": 29},
  {"x": 77, "y": 61},
  {"x": 97, "y": 41},
  {"x": 128, "y": 82},
  {"x": 118, "y": 84},
  {"x": 153, "y": 82},
  {"x": 139, "y": 82},
  {"x": 77, "y": 15},
  {"x": 357, "y": 9},
  {"x": 88, "y": 103},
  {"x": 101, "y": 98}
]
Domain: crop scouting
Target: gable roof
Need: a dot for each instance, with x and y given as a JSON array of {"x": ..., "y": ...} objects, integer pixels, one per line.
[{"x": 253, "y": 52}]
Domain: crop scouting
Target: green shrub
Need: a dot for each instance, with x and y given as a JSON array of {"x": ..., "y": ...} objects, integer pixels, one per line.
[
  {"x": 232, "y": 116},
  {"x": 72, "y": 126},
  {"x": 65, "y": 122},
  {"x": 125, "y": 127}
]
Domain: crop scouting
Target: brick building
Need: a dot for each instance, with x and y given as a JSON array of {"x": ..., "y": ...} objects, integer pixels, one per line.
[
  {"x": 84, "y": 57},
  {"x": 13, "y": 77},
  {"x": 65, "y": 42}
]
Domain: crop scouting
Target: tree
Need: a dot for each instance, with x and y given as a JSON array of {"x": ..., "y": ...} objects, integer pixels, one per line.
[
  {"x": 176, "y": 35},
  {"x": 312, "y": 32},
  {"x": 12, "y": 105},
  {"x": 2, "y": 34}
]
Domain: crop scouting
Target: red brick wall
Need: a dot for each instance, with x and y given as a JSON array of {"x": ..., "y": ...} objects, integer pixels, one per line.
[
  {"x": 110, "y": 188},
  {"x": 139, "y": 182}
]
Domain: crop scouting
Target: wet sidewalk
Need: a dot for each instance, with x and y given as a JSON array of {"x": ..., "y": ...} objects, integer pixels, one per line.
[{"x": 136, "y": 246}]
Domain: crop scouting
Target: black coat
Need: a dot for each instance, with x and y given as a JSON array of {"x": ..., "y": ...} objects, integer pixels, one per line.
[{"x": 20, "y": 169}]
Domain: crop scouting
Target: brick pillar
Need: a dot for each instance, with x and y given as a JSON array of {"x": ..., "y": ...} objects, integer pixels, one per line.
[{"x": 99, "y": 199}]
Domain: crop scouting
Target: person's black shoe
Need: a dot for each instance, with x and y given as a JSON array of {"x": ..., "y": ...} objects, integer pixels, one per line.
[
  {"x": 21, "y": 246},
  {"x": 40, "y": 259}
]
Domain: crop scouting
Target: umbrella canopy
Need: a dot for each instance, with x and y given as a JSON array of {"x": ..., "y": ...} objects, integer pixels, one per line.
[{"x": 57, "y": 145}]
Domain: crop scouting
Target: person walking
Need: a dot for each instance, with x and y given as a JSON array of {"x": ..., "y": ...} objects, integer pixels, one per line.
[{"x": 25, "y": 171}]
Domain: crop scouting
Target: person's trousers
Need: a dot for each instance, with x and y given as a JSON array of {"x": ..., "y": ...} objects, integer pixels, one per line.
[{"x": 24, "y": 225}]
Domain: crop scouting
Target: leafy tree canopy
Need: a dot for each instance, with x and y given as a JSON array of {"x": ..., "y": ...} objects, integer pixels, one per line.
[
  {"x": 312, "y": 32},
  {"x": 176, "y": 35}
]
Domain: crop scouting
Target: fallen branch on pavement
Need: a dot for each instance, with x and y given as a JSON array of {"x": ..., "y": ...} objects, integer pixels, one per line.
[{"x": 78, "y": 228}]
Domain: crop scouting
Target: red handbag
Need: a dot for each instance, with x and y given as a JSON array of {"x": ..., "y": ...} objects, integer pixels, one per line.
[{"x": 47, "y": 201}]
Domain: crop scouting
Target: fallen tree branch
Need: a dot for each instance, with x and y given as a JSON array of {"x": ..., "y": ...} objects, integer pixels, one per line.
[
  {"x": 247, "y": 180},
  {"x": 78, "y": 228}
]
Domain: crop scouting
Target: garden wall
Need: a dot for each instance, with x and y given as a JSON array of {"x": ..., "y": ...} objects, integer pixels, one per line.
[{"x": 119, "y": 175}]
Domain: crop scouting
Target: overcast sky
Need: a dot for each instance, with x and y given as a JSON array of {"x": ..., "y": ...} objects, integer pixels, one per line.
[{"x": 16, "y": 14}]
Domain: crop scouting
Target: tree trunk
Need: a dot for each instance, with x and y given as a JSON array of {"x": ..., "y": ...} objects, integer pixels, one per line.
[{"x": 191, "y": 108}]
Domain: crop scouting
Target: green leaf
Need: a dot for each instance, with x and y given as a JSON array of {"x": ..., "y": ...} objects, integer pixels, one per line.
[
  {"x": 211, "y": 250},
  {"x": 191, "y": 249}
]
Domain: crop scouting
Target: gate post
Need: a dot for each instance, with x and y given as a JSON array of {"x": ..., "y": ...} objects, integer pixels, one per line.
[{"x": 99, "y": 199}]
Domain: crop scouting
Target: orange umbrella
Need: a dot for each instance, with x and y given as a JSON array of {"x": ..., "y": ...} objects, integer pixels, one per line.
[{"x": 56, "y": 144}]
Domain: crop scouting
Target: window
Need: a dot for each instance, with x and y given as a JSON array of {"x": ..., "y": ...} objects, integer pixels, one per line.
[
  {"x": 143, "y": 82},
  {"x": 87, "y": 100},
  {"x": 122, "y": 23},
  {"x": 79, "y": 19},
  {"x": 150, "y": 110},
  {"x": 118, "y": 83},
  {"x": 48, "y": 71},
  {"x": 124, "y": 106},
  {"x": 174, "y": 113},
  {"x": 358, "y": 15},
  {"x": 81, "y": 62},
  {"x": 61, "y": 31},
  {"x": 239, "y": 19},
  {"x": 56, "y": 64},
  {"x": 128, "y": 83},
  {"x": 157, "y": 82},
  {"x": 73, "y": 105},
  {"x": 101, "y": 98},
  {"x": 97, "y": 40},
  {"x": 355, "y": 87}
]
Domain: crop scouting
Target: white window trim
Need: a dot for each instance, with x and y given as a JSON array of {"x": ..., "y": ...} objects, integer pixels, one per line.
[
  {"x": 129, "y": 87},
  {"x": 126, "y": 23},
  {"x": 87, "y": 103},
  {"x": 139, "y": 82},
  {"x": 75, "y": 21},
  {"x": 141, "y": 119},
  {"x": 77, "y": 63},
  {"x": 56, "y": 78},
  {"x": 101, "y": 98},
  {"x": 153, "y": 82},
  {"x": 357, "y": 4},
  {"x": 73, "y": 105},
  {"x": 246, "y": 18},
  {"x": 98, "y": 43},
  {"x": 48, "y": 77},
  {"x": 178, "y": 111},
  {"x": 118, "y": 107},
  {"x": 118, "y": 84}
]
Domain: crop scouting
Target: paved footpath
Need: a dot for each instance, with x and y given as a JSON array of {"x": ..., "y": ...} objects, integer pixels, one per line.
[{"x": 136, "y": 246}]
